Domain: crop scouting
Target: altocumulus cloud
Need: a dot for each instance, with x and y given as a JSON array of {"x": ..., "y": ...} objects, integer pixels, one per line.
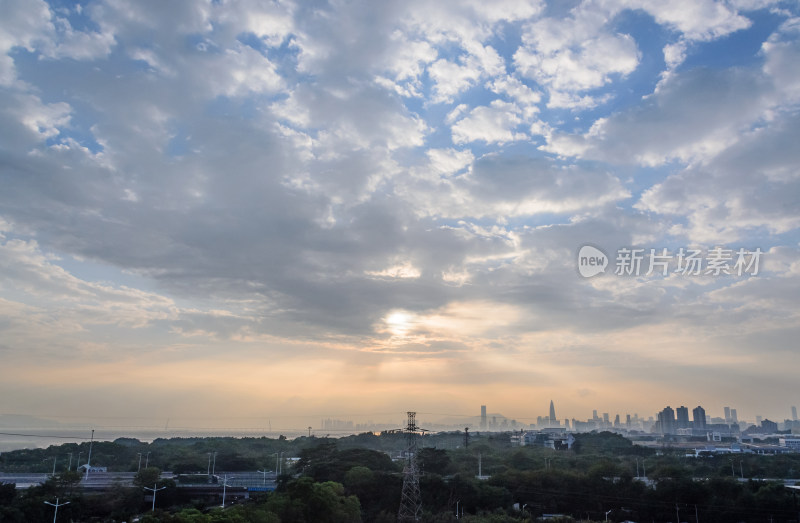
[{"x": 398, "y": 189}]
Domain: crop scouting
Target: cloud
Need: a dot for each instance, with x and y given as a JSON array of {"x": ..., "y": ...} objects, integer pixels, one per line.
[
  {"x": 388, "y": 190},
  {"x": 746, "y": 187},
  {"x": 568, "y": 60},
  {"x": 493, "y": 123},
  {"x": 690, "y": 117}
]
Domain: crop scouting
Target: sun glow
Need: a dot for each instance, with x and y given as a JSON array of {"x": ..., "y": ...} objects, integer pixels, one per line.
[{"x": 399, "y": 323}]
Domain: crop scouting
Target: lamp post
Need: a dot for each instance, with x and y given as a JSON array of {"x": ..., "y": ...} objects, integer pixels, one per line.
[
  {"x": 214, "y": 465},
  {"x": 147, "y": 460},
  {"x": 154, "y": 490},
  {"x": 56, "y": 504},
  {"x": 265, "y": 476},
  {"x": 55, "y": 458},
  {"x": 224, "y": 489},
  {"x": 607, "y": 513},
  {"x": 89, "y": 461},
  {"x": 140, "y": 462},
  {"x": 69, "y": 467}
]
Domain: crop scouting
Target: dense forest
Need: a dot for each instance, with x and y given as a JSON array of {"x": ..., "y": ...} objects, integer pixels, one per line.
[{"x": 356, "y": 479}]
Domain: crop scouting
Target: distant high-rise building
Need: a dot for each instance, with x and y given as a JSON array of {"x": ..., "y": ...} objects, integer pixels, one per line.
[
  {"x": 769, "y": 427},
  {"x": 552, "y": 413},
  {"x": 699, "y": 417},
  {"x": 605, "y": 419},
  {"x": 616, "y": 422},
  {"x": 483, "y": 416},
  {"x": 666, "y": 418},
  {"x": 627, "y": 421},
  {"x": 794, "y": 413},
  {"x": 758, "y": 420},
  {"x": 682, "y": 414},
  {"x": 566, "y": 423},
  {"x": 734, "y": 417},
  {"x": 727, "y": 414}
]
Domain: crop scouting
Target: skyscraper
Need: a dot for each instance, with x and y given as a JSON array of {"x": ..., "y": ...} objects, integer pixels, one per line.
[
  {"x": 666, "y": 419},
  {"x": 794, "y": 413},
  {"x": 682, "y": 413},
  {"x": 727, "y": 414},
  {"x": 483, "y": 416},
  {"x": 699, "y": 417},
  {"x": 552, "y": 414},
  {"x": 734, "y": 417}
]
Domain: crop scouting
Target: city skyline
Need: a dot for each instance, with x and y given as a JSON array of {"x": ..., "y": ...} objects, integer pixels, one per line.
[
  {"x": 289, "y": 210},
  {"x": 352, "y": 423}
]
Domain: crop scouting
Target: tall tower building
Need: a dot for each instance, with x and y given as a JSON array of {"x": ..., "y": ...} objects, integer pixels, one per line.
[
  {"x": 727, "y": 414},
  {"x": 682, "y": 414},
  {"x": 794, "y": 413},
  {"x": 699, "y": 417},
  {"x": 734, "y": 417},
  {"x": 666, "y": 419},
  {"x": 483, "y": 417},
  {"x": 552, "y": 414}
]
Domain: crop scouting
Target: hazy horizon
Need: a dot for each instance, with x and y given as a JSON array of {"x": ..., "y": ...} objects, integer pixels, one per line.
[{"x": 252, "y": 210}]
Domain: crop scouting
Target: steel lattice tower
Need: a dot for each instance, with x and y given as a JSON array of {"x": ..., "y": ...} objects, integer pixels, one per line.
[{"x": 411, "y": 501}]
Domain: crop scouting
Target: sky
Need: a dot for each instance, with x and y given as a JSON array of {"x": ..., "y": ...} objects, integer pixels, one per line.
[{"x": 221, "y": 212}]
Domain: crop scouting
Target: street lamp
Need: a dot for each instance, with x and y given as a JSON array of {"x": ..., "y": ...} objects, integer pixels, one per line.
[
  {"x": 56, "y": 504},
  {"x": 607, "y": 513},
  {"x": 89, "y": 461},
  {"x": 55, "y": 458},
  {"x": 154, "y": 490},
  {"x": 147, "y": 460},
  {"x": 224, "y": 488},
  {"x": 265, "y": 476},
  {"x": 140, "y": 462}
]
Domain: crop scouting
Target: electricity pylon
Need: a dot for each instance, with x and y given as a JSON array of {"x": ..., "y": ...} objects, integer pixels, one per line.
[{"x": 410, "y": 500}]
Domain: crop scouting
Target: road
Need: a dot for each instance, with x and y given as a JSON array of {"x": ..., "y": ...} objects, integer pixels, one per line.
[
  {"x": 101, "y": 480},
  {"x": 95, "y": 479}
]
